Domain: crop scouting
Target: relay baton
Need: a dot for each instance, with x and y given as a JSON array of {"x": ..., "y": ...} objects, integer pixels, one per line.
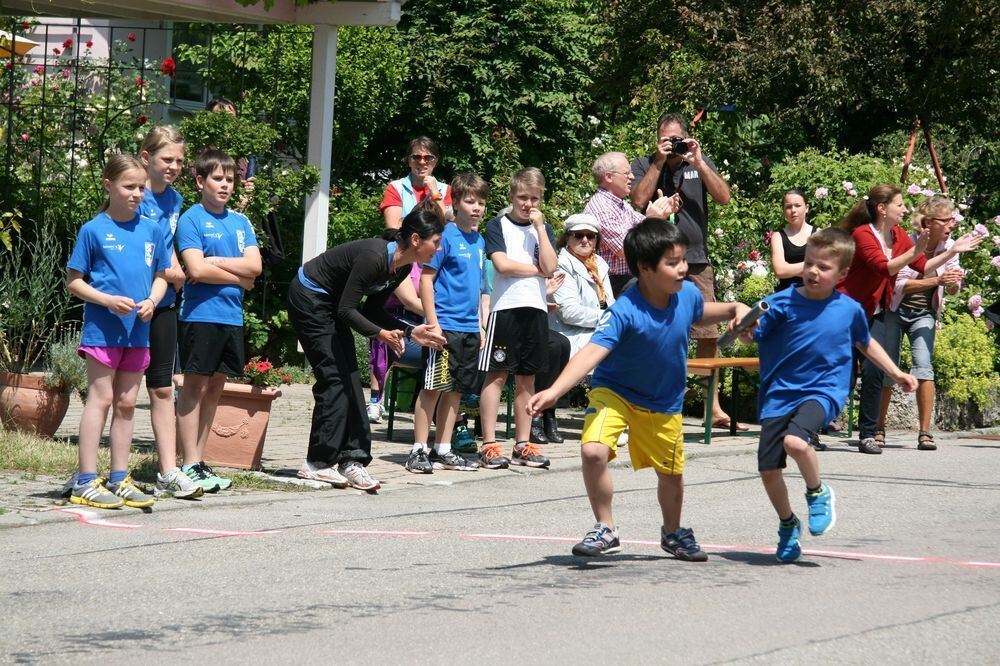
[{"x": 748, "y": 322}]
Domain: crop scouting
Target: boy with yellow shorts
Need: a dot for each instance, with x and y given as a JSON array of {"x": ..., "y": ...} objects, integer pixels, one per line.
[{"x": 639, "y": 350}]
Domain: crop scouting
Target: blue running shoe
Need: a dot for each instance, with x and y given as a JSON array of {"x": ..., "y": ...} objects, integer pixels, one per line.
[
  {"x": 822, "y": 514},
  {"x": 789, "y": 549}
]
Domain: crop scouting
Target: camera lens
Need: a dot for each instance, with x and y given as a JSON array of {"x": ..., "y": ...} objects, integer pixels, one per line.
[{"x": 681, "y": 147}]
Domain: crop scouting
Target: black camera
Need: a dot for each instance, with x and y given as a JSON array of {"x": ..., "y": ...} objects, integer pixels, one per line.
[{"x": 681, "y": 147}]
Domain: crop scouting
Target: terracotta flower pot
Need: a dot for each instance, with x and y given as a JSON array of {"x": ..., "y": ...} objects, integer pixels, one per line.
[
  {"x": 28, "y": 405},
  {"x": 240, "y": 425}
]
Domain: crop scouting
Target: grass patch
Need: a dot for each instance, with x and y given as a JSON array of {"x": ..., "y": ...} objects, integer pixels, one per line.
[{"x": 32, "y": 455}]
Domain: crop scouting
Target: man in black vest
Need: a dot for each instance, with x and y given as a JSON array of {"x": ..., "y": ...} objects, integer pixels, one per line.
[{"x": 677, "y": 166}]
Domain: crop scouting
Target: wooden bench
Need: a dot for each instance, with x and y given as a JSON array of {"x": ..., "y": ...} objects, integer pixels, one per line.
[{"x": 711, "y": 368}]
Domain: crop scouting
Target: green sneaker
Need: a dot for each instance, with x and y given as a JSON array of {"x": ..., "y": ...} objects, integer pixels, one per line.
[
  {"x": 131, "y": 495},
  {"x": 224, "y": 482},
  {"x": 208, "y": 484},
  {"x": 95, "y": 494}
]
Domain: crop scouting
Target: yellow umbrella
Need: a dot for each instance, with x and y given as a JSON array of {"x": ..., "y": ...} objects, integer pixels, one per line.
[{"x": 21, "y": 44}]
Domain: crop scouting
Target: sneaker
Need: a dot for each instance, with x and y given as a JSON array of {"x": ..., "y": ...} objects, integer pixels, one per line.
[
  {"x": 623, "y": 439},
  {"x": 822, "y": 514},
  {"x": 131, "y": 495},
  {"x": 452, "y": 460},
  {"x": 816, "y": 444},
  {"x": 789, "y": 549},
  {"x": 224, "y": 483},
  {"x": 491, "y": 458},
  {"x": 95, "y": 494},
  {"x": 207, "y": 484},
  {"x": 358, "y": 477},
  {"x": 529, "y": 455},
  {"x": 176, "y": 483},
  {"x": 600, "y": 540},
  {"x": 67, "y": 488},
  {"x": 869, "y": 445},
  {"x": 462, "y": 440},
  {"x": 418, "y": 463},
  {"x": 375, "y": 412},
  {"x": 682, "y": 545},
  {"x": 325, "y": 474}
]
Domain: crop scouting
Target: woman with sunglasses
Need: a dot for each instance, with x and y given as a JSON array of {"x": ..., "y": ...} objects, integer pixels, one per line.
[
  {"x": 915, "y": 310},
  {"x": 401, "y": 197},
  {"x": 586, "y": 290}
]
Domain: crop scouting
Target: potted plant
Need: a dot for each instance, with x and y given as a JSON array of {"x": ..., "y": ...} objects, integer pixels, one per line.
[
  {"x": 240, "y": 425},
  {"x": 33, "y": 303}
]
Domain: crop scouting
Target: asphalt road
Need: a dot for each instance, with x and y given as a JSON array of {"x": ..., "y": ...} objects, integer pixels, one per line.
[{"x": 482, "y": 572}]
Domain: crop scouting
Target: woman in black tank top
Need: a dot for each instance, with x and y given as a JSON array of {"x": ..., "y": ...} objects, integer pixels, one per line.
[{"x": 788, "y": 246}]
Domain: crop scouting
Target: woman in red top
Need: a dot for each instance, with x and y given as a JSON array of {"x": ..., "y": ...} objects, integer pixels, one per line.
[{"x": 882, "y": 248}]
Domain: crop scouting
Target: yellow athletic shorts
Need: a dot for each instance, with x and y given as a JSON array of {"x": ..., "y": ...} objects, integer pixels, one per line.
[{"x": 654, "y": 439}]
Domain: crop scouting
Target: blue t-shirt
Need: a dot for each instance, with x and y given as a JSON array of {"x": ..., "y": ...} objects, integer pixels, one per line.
[
  {"x": 119, "y": 259},
  {"x": 164, "y": 209},
  {"x": 806, "y": 349},
  {"x": 648, "y": 361},
  {"x": 225, "y": 234},
  {"x": 458, "y": 283}
]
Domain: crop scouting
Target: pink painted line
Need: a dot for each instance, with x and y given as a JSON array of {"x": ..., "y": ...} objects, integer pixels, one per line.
[
  {"x": 375, "y": 533},
  {"x": 754, "y": 549},
  {"x": 192, "y": 530},
  {"x": 86, "y": 517}
]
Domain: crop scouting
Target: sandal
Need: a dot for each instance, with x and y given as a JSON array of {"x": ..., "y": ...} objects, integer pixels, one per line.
[
  {"x": 879, "y": 438},
  {"x": 726, "y": 424},
  {"x": 925, "y": 441}
]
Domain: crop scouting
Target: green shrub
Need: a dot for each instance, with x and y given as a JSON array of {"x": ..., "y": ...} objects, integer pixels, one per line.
[
  {"x": 66, "y": 370},
  {"x": 965, "y": 357}
]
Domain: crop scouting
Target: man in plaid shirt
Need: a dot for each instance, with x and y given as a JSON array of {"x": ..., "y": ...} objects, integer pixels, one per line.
[{"x": 611, "y": 205}]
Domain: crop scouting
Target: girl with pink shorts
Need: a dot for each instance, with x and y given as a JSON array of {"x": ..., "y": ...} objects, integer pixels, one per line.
[{"x": 118, "y": 268}]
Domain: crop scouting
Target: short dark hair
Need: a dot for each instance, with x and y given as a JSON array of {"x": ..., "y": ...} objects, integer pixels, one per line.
[
  {"x": 670, "y": 119},
  {"x": 217, "y": 101},
  {"x": 422, "y": 142},
  {"x": 647, "y": 242},
  {"x": 210, "y": 159},
  {"x": 469, "y": 182}
]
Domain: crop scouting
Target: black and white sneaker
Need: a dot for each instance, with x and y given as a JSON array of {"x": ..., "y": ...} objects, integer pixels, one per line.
[
  {"x": 452, "y": 460},
  {"x": 600, "y": 540},
  {"x": 418, "y": 463}
]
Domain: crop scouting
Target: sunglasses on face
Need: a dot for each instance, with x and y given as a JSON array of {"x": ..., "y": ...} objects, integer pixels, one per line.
[
  {"x": 430, "y": 159},
  {"x": 581, "y": 235}
]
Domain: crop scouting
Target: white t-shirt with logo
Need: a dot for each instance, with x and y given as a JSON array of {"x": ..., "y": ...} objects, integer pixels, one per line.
[{"x": 520, "y": 243}]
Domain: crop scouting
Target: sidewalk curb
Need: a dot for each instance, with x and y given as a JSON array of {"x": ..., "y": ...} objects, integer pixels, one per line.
[{"x": 561, "y": 465}]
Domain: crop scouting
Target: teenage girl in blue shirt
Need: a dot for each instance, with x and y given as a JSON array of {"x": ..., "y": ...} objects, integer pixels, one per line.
[
  {"x": 118, "y": 268},
  {"x": 162, "y": 152}
]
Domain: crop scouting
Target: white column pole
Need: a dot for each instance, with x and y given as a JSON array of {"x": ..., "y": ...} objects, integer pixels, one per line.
[{"x": 320, "y": 154}]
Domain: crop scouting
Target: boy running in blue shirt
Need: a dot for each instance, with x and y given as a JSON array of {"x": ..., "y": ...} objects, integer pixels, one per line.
[
  {"x": 639, "y": 349},
  {"x": 221, "y": 259},
  {"x": 806, "y": 340},
  {"x": 450, "y": 290}
]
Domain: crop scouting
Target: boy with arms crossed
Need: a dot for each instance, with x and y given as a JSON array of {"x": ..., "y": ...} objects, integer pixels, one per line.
[
  {"x": 805, "y": 341},
  {"x": 639, "y": 349},
  {"x": 221, "y": 259},
  {"x": 450, "y": 290}
]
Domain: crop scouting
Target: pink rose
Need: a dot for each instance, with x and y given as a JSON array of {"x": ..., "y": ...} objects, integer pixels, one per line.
[
  {"x": 981, "y": 230},
  {"x": 996, "y": 261},
  {"x": 822, "y": 193},
  {"x": 755, "y": 255},
  {"x": 913, "y": 189},
  {"x": 975, "y": 301},
  {"x": 847, "y": 185},
  {"x": 853, "y": 192},
  {"x": 977, "y": 313},
  {"x": 927, "y": 193},
  {"x": 958, "y": 217}
]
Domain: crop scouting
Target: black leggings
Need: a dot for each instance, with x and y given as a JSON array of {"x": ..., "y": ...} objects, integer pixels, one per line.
[{"x": 558, "y": 356}]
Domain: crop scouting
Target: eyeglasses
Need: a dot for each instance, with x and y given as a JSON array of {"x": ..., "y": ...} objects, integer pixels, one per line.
[
  {"x": 430, "y": 159},
  {"x": 942, "y": 220},
  {"x": 584, "y": 235},
  {"x": 622, "y": 173}
]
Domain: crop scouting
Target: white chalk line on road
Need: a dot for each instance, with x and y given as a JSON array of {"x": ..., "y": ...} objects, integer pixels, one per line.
[{"x": 92, "y": 519}]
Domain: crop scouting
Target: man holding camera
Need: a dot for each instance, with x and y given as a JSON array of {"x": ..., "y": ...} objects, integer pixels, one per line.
[{"x": 678, "y": 167}]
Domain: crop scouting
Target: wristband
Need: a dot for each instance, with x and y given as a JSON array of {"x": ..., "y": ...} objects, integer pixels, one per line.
[{"x": 408, "y": 332}]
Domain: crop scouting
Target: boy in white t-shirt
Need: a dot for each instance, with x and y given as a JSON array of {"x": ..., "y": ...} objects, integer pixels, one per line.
[{"x": 520, "y": 244}]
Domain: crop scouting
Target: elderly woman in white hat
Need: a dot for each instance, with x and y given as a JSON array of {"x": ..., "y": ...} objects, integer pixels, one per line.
[{"x": 586, "y": 290}]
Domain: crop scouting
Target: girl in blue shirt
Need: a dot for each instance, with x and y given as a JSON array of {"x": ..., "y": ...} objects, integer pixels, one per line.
[
  {"x": 118, "y": 268},
  {"x": 162, "y": 152}
]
